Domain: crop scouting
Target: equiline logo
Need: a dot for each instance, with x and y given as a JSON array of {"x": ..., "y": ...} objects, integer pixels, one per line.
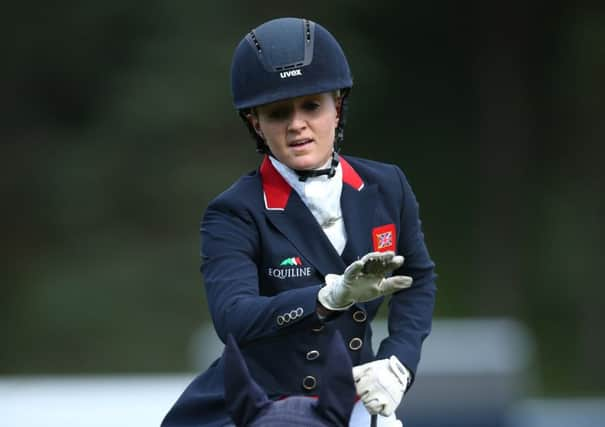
[
  {"x": 291, "y": 267},
  {"x": 291, "y": 73},
  {"x": 295, "y": 260}
]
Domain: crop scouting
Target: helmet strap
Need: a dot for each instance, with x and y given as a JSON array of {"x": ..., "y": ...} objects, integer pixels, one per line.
[
  {"x": 340, "y": 128},
  {"x": 303, "y": 175}
]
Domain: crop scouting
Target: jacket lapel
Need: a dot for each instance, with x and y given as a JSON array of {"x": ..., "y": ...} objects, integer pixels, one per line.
[
  {"x": 358, "y": 203},
  {"x": 358, "y": 209},
  {"x": 287, "y": 212},
  {"x": 302, "y": 230}
]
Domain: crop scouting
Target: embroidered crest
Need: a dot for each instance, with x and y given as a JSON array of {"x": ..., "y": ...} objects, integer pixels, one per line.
[{"x": 383, "y": 238}]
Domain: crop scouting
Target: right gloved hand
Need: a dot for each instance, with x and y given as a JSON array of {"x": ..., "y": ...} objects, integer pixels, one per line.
[
  {"x": 363, "y": 280},
  {"x": 381, "y": 384}
]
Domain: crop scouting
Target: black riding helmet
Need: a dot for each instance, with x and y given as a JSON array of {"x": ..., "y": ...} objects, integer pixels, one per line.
[{"x": 286, "y": 58}]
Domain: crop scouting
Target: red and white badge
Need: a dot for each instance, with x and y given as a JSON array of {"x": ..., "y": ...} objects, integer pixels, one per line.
[{"x": 383, "y": 238}]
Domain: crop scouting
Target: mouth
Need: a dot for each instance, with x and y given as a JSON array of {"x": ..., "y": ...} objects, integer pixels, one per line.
[{"x": 300, "y": 142}]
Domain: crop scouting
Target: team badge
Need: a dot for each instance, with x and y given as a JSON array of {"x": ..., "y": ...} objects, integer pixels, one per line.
[{"x": 383, "y": 238}]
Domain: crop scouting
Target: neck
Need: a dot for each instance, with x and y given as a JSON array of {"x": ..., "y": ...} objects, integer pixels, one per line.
[{"x": 330, "y": 171}]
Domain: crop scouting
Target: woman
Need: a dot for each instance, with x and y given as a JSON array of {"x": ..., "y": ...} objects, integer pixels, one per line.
[{"x": 306, "y": 245}]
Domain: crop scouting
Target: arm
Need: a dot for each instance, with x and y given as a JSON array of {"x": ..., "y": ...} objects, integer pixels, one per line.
[
  {"x": 230, "y": 257},
  {"x": 411, "y": 310},
  {"x": 382, "y": 383}
]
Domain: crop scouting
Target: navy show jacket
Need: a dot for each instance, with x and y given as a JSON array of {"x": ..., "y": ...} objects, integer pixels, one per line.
[{"x": 264, "y": 259}]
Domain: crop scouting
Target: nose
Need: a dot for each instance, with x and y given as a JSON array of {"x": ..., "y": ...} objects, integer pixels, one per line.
[{"x": 298, "y": 121}]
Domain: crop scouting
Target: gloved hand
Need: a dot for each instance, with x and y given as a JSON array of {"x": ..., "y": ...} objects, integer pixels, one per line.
[
  {"x": 380, "y": 384},
  {"x": 363, "y": 281}
]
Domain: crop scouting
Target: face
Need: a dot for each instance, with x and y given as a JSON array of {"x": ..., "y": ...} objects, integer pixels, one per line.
[{"x": 299, "y": 131}]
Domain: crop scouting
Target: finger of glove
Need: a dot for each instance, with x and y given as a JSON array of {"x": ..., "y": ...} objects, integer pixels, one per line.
[
  {"x": 387, "y": 410},
  {"x": 381, "y": 398},
  {"x": 388, "y": 267},
  {"x": 394, "y": 284},
  {"x": 377, "y": 263},
  {"x": 384, "y": 264},
  {"x": 359, "y": 371},
  {"x": 395, "y": 263},
  {"x": 386, "y": 255},
  {"x": 373, "y": 406},
  {"x": 366, "y": 384},
  {"x": 362, "y": 390},
  {"x": 371, "y": 372},
  {"x": 354, "y": 269}
]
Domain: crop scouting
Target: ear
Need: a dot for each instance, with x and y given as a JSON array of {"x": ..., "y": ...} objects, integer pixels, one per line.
[
  {"x": 338, "y": 104},
  {"x": 243, "y": 396},
  {"x": 255, "y": 123},
  {"x": 337, "y": 396}
]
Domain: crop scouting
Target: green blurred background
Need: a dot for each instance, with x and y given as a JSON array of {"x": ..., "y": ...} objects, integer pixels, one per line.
[{"x": 117, "y": 130}]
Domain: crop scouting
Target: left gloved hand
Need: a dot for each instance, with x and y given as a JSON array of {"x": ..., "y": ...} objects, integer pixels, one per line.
[
  {"x": 363, "y": 280},
  {"x": 380, "y": 384}
]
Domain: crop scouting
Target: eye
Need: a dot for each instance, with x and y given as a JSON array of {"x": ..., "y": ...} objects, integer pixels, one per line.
[
  {"x": 279, "y": 113},
  {"x": 311, "y": 105}
]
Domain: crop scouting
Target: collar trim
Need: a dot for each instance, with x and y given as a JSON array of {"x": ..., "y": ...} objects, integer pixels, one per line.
[
  {"x": 349, "y": 176},
  {"x": 276, "y": 190}
]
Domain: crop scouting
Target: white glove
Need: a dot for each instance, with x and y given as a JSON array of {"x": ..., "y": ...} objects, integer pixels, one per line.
[
  {"x": 363, "y": 281},
  {"x": 381, "y": 384}
]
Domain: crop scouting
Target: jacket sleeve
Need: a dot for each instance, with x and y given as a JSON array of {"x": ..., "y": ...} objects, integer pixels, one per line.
[
  {"x": 231, "y": 254},
  {"x": 410, "y": 310}
]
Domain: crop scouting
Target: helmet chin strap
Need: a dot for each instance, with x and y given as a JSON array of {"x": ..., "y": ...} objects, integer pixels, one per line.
[{"x": 303, "y": 175}]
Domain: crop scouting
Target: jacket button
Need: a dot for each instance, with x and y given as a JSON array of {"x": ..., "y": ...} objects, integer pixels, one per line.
[
  {"x": 359, "y": 316},
  {"x": 312, "y": 355},
  {"x": 309, "y": 382},
  {"x": 355, "y": 343}
]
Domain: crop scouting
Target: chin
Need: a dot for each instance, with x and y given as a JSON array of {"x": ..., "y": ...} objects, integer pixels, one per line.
[{"x": 304, "y": 164}]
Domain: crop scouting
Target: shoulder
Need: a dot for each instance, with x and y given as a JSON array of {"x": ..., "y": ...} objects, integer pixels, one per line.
[
  {"x": 374, "y": 172},
  {"x": 243, "y": 194}
]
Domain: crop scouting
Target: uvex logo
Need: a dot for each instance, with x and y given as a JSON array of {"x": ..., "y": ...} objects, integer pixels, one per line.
[{"x": 291, "y": 73}]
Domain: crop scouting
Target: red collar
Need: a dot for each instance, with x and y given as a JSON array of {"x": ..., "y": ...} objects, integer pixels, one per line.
[{"x": 276, "y": 191}]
